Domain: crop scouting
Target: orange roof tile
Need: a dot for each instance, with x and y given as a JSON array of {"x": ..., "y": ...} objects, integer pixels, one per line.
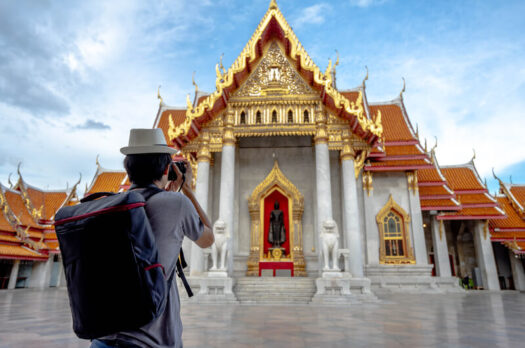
[
  {"x": 477, "y": 198},
  {"x": 478, "y": 213},
  {"x": 53, "y": 201},
  {"x": 512, "y": 220},
  {"x": 9, "y": 238},
  {"x": 461, "y": 178},
  {"x": 437, "y": 203},
  {"x": 401, "y": 163},
  {"x": 507, "y": 235},
  {"x": 433, "y": 190},
  {"x": 394, "y": 124},
  {"x": 53, "y": 245},
  {"x": 15, "y": 250},
  {"x": 401, "y": 150},
  {"x": 107, "y": 182},
  {"x": 5, "y": 225},
  {"x": 428, "y": 175},
  {"x": 518, "y": 191},
  {"x": 19, "y": 209},
  {"x": 164, "y": 122}
]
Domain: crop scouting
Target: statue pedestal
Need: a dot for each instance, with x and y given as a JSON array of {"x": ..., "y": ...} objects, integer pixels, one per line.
[
  {"x": 335, "y": 287},
  {"x": 215, "y": 287}
]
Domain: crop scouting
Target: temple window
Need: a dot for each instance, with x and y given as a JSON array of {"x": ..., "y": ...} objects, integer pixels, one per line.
[
  {"x": 393, "y": 225},
  {"x": 290, "y": 116},
  {"x": 243, "y": 118},
  {"x": 306, "y": 117},
  {"x": 258, "y": 117},
  {"x": 274, "y": 116}
]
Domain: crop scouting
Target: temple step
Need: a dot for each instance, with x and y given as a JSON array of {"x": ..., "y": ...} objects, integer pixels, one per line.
[{"x": 274, "y": 290}]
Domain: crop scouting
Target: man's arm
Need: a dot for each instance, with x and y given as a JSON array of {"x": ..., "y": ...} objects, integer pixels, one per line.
[{"x": 207, "y": 238}]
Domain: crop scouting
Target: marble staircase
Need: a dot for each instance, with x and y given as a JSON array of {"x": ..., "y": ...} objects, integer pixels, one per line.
[{"x": 274, "y": 290}]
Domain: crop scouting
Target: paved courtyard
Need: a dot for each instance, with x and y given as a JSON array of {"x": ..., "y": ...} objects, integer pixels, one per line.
[{"x": 33, "y": 318}]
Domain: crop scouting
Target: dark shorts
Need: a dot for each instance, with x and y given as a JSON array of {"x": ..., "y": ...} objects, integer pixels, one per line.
[{"x": 111, "y": 344}]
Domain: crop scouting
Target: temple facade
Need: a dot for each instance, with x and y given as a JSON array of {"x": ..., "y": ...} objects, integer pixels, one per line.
[{"x": 319, "y": 195}]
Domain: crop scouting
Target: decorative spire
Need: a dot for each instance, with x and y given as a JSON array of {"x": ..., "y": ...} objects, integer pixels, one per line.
[
  {"x": 9, "y": 181},
  {"x": 159, "y": 97},
  {"x": 97, "y": 162},
  {"x": 403, "y": 89},
  {"x": 426, "y": 149},
  {"x": 273, "y": 5},
  {"x": 188, "y": 101},
  {"x": 473, "y": 156},
  {"x": 366, "y": 77},
  {"x": 435, "y": 145},
  {"x": 417, "y": 130},
  {"x": 194, "y": 83},
  {"x": 220, "y": 64}
]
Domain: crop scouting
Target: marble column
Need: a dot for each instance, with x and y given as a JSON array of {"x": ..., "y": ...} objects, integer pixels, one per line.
[
  {"x": 41, "y": 274},
  {"x": 371, "y": 231},
  {"x": 416, "y": 220},
  {"x": 351, "y": 226},
  {"x": 517, "y": 272},
  {"x": 201, "y": 193},
  {"x": 439, "y": 241},
  {"x": 485, "y": 256},
  {"x": 227, "y": 187},
  {"x": 14, "y": 274},
  {"x": 322, "y": 176},
  {"x": 322, "y": 170}
]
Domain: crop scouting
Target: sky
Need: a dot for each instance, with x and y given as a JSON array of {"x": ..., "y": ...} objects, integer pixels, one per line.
[{"x": 75, "y": 77}]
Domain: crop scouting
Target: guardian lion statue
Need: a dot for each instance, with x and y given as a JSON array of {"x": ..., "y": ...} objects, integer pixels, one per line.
[
  {"x": 219, "y": 249},
  {"x": 330, "y": 244}
]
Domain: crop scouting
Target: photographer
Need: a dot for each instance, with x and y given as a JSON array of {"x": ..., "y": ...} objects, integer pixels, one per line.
[{"x": 172, "y": 215}]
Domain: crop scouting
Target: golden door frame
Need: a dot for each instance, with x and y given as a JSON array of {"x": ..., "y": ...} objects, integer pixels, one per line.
[{"x": 276, "y": 181}]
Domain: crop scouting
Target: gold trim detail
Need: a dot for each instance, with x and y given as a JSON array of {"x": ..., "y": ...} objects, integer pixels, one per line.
[
  {"x": 347, "y": 153},
  {"x": 204, "y": 151},
  {"x": 297, "y": 53},
  {"x": 440, "y": 229},
  {"x": 485, "y": 229},
  {"x": 360, "y": 162},
  {"x": 412, "y": 182},
  {"x": 227, "y": 137},
  {"x": 321, "y": 135},
  {"x": 276, "y": 180},
  {"x": 367, "y": 182},
  {"x": 408, "y": 258}
]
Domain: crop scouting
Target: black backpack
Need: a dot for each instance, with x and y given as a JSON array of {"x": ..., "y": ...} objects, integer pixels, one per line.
[{"x": 114, "y": 279}]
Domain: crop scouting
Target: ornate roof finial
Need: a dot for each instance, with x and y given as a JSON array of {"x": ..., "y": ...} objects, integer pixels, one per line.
[
  {"x": 273, "y": 5},
  {"x": 473, "y": 155},
  {"x": 188, "y": 101},
  {"x": 417, "y": 131},
  {"x": 435, "y": 145},
  {"x": 366, "y": 77},
  {"x": 194, "y": 83},
  {"x": 9, "y": 181},
  {"x": 403, "y": 89},
  {"x": 158, "y": 96},
  {"x": 426, "y": 149},
  {"x": 97, "y": 162},
  {"x": 18, "y": 169},
  {"x": 510, "y": 179},
  {"x": 220, "y": 64}
]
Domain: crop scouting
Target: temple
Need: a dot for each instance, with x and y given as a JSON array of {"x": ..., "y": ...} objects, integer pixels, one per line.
[
  {"x": 355, "y": 203},
  {"x": 29, "y": 252}
]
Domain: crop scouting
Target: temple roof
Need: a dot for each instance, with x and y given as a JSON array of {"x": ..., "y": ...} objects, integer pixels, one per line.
[
  {"x": 471, "y": 193},
  {"x": 106, "y": 180},
  {"x": 273, "y": 26},
  {"x": 512, "y": 221},
  {"x": 20, "y": 252}
]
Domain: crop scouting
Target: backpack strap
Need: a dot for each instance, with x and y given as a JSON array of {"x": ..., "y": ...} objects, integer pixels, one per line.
[
  {"x": 181, "y": 264},
  {"x": 96, "y": 195},
  {"x": 147, "y": 193}
]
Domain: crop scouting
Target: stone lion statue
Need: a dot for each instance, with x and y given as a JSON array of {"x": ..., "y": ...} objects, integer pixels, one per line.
[
  {"x": 330, "y": 244},
  {"x": 219, "y": 249}
]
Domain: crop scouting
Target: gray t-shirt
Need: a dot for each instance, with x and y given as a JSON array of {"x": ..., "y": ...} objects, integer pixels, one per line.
[{"x": 172, "y": 216}]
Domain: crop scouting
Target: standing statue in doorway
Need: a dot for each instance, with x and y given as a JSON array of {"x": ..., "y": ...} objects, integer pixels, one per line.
[{"x": 277, "y": 231}]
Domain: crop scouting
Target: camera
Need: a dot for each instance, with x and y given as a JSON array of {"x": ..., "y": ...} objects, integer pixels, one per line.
[{"x": 172, "y": 174}]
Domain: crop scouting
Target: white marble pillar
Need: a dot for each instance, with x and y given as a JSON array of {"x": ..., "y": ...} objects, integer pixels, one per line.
[
  {"x": 41, "y": 273},
  {"x": 227, "y": 187},
  {"x": 351, "y": 209},
  {"x": 201, "y": 193},
  {"x": 371, "y": 230},
  {"x": 322, "y": 176},
  {"x": 518, "y": 275},
  {"x": 439, "y": 241},
  {"x": 416, "y": 221},
  {"x": 14, "y": 274},
  {"x": 485, "y": 256}
]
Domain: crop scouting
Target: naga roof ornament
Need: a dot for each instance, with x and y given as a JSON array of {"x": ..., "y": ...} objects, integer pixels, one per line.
[{"x": 225, "y": 79}]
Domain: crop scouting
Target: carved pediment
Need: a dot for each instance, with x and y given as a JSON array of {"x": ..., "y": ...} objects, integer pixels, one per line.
[{"x": 274, "y": 75}]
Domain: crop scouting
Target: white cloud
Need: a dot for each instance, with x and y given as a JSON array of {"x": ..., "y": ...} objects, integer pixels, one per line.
[
  {"x": 311, "y": 15},
  {"x": 366, "y": 3}
]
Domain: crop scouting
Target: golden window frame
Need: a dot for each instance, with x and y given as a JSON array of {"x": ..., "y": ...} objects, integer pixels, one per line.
[{"x": 408, "y": 257}]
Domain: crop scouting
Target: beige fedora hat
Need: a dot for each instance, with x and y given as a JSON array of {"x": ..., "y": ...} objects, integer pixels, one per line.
[{"x": 146, "y": 141}]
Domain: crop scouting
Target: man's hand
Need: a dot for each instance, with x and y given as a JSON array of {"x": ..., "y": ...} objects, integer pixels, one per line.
[{"x": 175, "y": 186}]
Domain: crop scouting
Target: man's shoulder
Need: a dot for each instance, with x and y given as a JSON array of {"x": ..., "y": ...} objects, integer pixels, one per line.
[{"x": 167, "y": 197}]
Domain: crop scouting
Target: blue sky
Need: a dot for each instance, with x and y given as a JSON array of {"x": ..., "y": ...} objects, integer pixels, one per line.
[{"x": 75, "y": 79}]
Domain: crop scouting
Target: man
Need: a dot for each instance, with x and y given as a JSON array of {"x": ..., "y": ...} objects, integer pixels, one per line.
[{"x": 172, "y": 216}]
